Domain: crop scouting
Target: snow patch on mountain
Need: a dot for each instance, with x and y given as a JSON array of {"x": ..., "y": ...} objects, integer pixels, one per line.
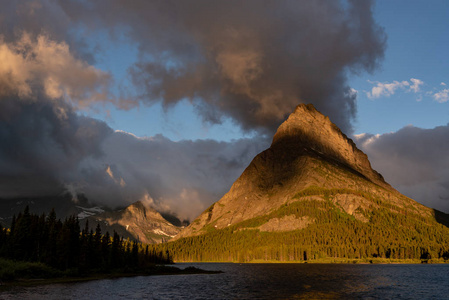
[
  {"x": 160, "y": 232},
  {"x": 89, "y": 211}
]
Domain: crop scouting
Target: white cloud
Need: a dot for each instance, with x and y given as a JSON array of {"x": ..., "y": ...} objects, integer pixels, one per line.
[
  {"x": 442, "y": 96},
  {"x": 416, "y": 83},
  {"x": 360, "y": 136},
  {"x": 364, "y": 139},
  {"x": 386, "y": 89}
]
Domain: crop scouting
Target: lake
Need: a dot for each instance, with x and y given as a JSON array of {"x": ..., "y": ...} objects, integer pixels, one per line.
[{"x": 262, "y": 281}]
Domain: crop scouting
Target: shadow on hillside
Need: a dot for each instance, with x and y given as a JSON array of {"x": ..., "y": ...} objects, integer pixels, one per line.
[{"x": 441, "y": 217}]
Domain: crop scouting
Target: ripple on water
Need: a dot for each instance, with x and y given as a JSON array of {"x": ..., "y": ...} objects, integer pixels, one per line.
[{"x": 261, "y": 281}]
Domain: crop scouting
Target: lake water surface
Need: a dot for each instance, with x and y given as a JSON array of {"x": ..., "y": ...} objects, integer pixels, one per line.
[{"x": 262, "y": 281}]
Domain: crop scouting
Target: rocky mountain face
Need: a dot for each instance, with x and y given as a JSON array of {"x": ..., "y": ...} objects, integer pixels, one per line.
[
  {"x": 308, "y": 129},
  {"x": 312, "y": 179},
  {"x": 138, "y": 221}
]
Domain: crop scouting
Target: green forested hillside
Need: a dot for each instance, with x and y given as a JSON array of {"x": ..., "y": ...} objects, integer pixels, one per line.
[{"x": 381, "y": 231}]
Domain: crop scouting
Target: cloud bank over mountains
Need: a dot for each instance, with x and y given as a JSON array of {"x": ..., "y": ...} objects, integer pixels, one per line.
[
  {"x": 414, "y": 161},
  {"x": 249, "y": 61}
]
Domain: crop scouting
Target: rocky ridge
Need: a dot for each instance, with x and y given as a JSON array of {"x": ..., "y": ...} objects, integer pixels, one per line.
[
  {"x": 315, "y": 132},
  {"x": 139, "y": 222}
]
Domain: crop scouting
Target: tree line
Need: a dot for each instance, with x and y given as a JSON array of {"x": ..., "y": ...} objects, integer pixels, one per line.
[
  {"x": 63, "y": 245},
  {"x": 386, "y": 233}
]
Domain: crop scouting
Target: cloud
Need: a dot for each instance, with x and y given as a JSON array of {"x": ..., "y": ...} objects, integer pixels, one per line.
[
  {"x": 353, "y": 93},
  {"x": 40, "y": 151},
  {"x": 44, "y": 155},
  {"x": 39, "y": 65},
  {"x": 43, "y": 17},
  {"x": 442, "y": 96},
  {"x": 248, "y": 61},
  {"x": 415, "y": 84},
  {"x": 443, "y": 84},
  {"x": 414, "y": 161},
  {"x": 387, "y": 89},
  {"x": 184, "y": 177},
  {"x": 44, "y": 140}
]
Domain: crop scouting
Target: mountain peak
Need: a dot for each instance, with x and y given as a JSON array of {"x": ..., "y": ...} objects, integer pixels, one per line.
[
  {"x": 142, "y": 211},
  {"x": 307, "y": 130},
  {"x": 140, "y": 205},
  {"x": 303, "y": 121},
  {"x": 308, "y": 150}
]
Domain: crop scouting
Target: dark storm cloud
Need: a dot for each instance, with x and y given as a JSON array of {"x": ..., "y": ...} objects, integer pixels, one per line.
[
  {"x": 43, "y": 139},
  {"x": 414, "y": 161},
  {"x": 34, "y": 17},
  {"x": 44, "y": 152},
  {"x": 48, "y": 148},
  {"x": 40, "y": 149},
  {"x": 253, "y": 61},
  {"x": 41, "y": 17}
]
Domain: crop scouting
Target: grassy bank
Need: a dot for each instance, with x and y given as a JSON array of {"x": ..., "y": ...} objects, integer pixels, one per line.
[
  {"x": 18, "y": 273},
  {"x": 12, "y": 270}
]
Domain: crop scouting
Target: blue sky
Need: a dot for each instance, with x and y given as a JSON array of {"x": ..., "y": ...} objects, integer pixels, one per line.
[
  {"x": 416, "y": 48},
  {"x": 179, "y": 122}
]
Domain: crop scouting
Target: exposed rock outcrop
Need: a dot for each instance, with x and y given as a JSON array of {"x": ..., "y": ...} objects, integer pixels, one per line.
[{"x": 137, "y": 221}]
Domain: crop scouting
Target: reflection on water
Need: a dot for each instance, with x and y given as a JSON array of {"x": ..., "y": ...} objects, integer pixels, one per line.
[{"x": 262, "y": 281}]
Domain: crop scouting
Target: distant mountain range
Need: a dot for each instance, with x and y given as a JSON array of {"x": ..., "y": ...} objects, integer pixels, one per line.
[
  {"x": 312, "y": 194},
  {"x": 136, "y": 221}
]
